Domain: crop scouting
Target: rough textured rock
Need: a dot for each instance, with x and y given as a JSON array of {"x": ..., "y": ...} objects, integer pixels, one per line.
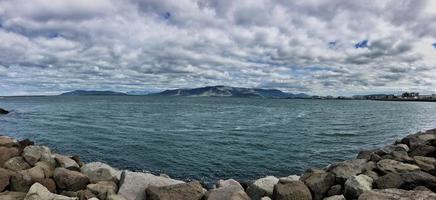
[
  {"x": 103, "y": 188},
  {"x": 401, "y": 156},
  {"x": 364, "y": 154},
  {"x": 6, "y": 141},
  {"x": 21, "y": 181},
  {"x": 49, "y": 184},
  {"x": 397, "y": 194},
  {"x": 115, "y": 197},
  {"x": 97, "y": 171},
  {"x": 32, "y": 154},
  {"x": 85, "y": 194},
  {"x": 36, "y": 173},
  {"x": 185, "y": 191},
  {"x": 262, "y": 187},
  {"x": 289, "y": 178},
  {"x": 422, "y": 150},
  {"x": 335, "y": 197},
  {"x": 16, "y": 164},
  {"x": 418, "y": 138},
  {"x": 8, "y": 195},
  {"x": 5, "y": 176},
  {"x": 70, "y": 180},
  {"x": 134, "y": 184},
  {"x": 319, "y": 182},
  {"x": 265, "y": 198},
  {"x": 387, "y": 165},
  {"x": 425, "y": 163},
  {"x": 46, "y": 167},
  {"x": 66, "y": 162},
  {"x": 335, "y": 190},
  {"x": 296, "y": 190},
  {"x": 228, "y": 190},
  {"x": 39, "y": 192},
  {"x": 390, "y": 180},
  {"x": 346, "y": 169},
  {"x": 356, "y": 185},
  {"x": 418, "y": 178},
  {"x": 7, "y": 153}
]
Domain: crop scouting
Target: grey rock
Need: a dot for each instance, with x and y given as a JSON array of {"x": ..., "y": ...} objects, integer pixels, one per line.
[
  {"x": 227, "y": 190},
  {"x": 335, "y": 190},
  {"x": 335, "y": 197},
  {"x": 70, "y": 180},
  {"x": 388, "y": 165},
  {"x": 397, "y": 194},
  {"x": 39, "y": 192},
  {"x": 5, "y": 176},
  {"x": 425, "y": 163},
  {"x": 97, "y": 171},
  {"x": 356, "y": 185},
  {"x": 289, "y": 178},
  {"x": 418, "y": 178},
  {"x": 185, "y": 191},
  {"x": 66, "y": 162},
  {"x": 296, "y": 190},
  {"x": 32, "y": 154},
  {"x": 346, "y": 169},
  {"x": 7, "y": 153},
  {"x": 8, "y": 195},
  {"x": 262, "y": 187},
  {"x": 390, "y": 180},
  {"x": 6, "y": 141},
  {"x": 16, "y": 164},
  {"x": 319, "y": 182}
]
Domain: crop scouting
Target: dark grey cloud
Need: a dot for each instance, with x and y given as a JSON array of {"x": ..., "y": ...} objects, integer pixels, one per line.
[{"x": 53, "y": 46}]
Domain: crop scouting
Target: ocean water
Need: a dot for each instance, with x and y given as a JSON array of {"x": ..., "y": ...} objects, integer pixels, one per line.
[{"x": 212, "y": 138}]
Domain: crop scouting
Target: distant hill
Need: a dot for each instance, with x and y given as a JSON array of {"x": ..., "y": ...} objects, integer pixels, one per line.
[
  {"x": 226, "y": 91},
  {"x": 92, "y": 93}
]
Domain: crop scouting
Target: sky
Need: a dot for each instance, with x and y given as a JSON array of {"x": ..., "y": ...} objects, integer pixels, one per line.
[{"x": 323, "y": 47}]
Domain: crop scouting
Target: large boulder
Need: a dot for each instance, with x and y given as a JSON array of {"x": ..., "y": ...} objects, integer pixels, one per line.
[
  {"x": 21, "y": 181},
  {"x": 228, "y": 190},
  {"x": 70, "y": 180},
  {"x": 39, "y": 192},
  {"x": 97, "y": 171},
  {"x": 183, "y": 191},
  {"x": 418, "y": 178},
  {"x": 115, "y": 197},
  {"x": 401, "y": 156},
  {"x": 289, "y": 178},
  {"x": 390, "y": 180},
  {"x": 32, "y": 154},
  {"x": 388, "y": 165},
  {"x": 16, "y": 164},
  {"x": 418, "y": 138},
  {"x": 356, "y": 185},
  {"x": 7, "y": 153},
  {"x": 6, "y": 141},
  {"x": 346, "y": 169},
  {"x": 66, "y": 162},
  {"x": 319, "y": 182},
  {"x": 133, "y": 184},
  {"x": 397, "y": 194},
  {"x": 296, "y": 190},
  {"x": 262, "y": 187},
  {"x": 425, "y": 163},
  {"x": 46, "y": 167},
  {"x": 103, "y": 188},
  {"x": 9, "y": 195},
  {"x": 5, "y": 176},
  {"x": 423, "y": 150},
  {"x": 335, "y": 197}
]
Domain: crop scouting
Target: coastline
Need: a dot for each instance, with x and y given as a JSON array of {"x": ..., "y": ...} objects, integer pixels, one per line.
[{"x": 405, "y": 169}]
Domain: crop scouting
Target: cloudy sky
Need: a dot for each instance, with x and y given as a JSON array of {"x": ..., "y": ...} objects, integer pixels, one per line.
[{"x": 338, "y": 47}]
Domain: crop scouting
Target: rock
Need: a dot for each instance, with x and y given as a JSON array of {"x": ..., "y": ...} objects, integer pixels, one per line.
[
  {"x": 346, "y": 169},
  {"x": 46, "y": 167},
  {"x": 115, "y": 197},
  {"x": 5, "y": 176},
  {"x": 425, "y": 163},
  {"x": 7, "y": 153},
  {"x": 103, "y": 188},
  {"x": 85, "y": 194},
  {"x": 335, "y": 190},
  {"x": 39, "y": 192},
  {"x": 185, "y": 191},
  {"x": 93, "y": 198},
  {"x": 265, "y": 198},
  {"x": 422, "y": 150},
  {"x": 356, "y": 185},
  {"x": 371, "y": 174},
  {"x": 291, "y": 191},
  {"x": 36, "y": 173},
  {"x": 12, "y": 195},
  {"x": 3, "y": 111},
  {"x": 401, "y": 156},
  {"x": 32, "y": 154},
  {"x": 375, "y": 158},
  {"x": 319, "y": 182},
  {"x": 335, "y": 197},
  {"x": 404, "y": 146},
  {"x": 418, "y": 178},
  {"x": 16, "y": 164},
  {"x": 133, "y": 184},
  {"x": 66, "y": 162},
  {"x": 262, "y": 187},
  {"x": 21, "y": 181},
  {"x": 364, "y": 154},
  {"x": 387, "y": 165},
  {"x": 389, "y": 149},
  {"x": 97, "y": 171},
  {"x": 78, "y": 160},
  {"x": 6, "y": 141},
  {"x": 228, "y": 190},
  {"x": 70, "y": 180},
  {"x": 49, "y": 184},
  {"x": 289, "y": 178},
  {"x": 24, "y": 143},
  {"x": 422, "y": 188},
  {"x": 390, "y": 180},
  {"x": 397, "y": 194}
]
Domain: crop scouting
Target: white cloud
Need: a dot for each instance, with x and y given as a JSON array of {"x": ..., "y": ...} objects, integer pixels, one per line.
[{"x": 51, "y": 46}]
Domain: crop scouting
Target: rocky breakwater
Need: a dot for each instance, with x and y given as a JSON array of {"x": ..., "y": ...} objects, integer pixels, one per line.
[{"x": 403, "y": 170}]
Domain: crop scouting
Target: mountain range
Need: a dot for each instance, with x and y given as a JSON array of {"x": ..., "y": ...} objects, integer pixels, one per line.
[{"x": 208, "y": 91}]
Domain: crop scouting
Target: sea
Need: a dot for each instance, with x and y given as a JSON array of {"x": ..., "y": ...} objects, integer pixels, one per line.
[{"x": 212, "y": 138}]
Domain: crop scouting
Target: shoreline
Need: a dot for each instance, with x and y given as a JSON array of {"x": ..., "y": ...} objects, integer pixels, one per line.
[{"x": 405, "y": 169}]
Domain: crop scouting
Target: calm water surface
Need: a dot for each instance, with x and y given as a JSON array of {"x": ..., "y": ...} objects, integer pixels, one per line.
[{"x": 212, "y": 138}]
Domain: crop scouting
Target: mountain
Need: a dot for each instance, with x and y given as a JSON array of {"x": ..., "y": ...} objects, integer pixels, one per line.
[
  {"x": 92, "y": 93},
  {"x": 226, "y": 91}
]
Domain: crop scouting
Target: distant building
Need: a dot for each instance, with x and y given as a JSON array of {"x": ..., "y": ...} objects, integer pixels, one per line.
[
  {"x": 410, "y": 95},
  {"x": 433, "y": 96}
]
